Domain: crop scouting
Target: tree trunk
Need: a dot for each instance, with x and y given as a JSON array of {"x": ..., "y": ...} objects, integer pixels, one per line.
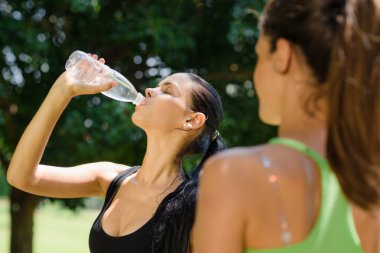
[{"x": 22, "y": 211}]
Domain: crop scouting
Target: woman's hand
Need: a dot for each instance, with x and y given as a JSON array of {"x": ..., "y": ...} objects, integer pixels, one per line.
[{"x": 72, "y": 87}]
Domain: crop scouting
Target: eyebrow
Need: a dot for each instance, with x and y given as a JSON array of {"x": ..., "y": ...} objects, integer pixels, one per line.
[{"x": 169, "y": 83}]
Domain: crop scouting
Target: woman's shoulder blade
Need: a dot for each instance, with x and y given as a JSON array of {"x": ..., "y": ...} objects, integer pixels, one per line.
[
  {"x": 236, "y": 166},
  {"x": 238, "y": 159}
]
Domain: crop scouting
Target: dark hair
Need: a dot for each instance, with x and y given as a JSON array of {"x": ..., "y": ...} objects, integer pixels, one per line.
[
  {"x": 174, "y": 217},
  {"x": 340, "y": 40}
]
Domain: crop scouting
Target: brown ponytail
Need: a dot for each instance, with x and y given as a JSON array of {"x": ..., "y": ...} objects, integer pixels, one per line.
[{"x": 353, "y": 145}]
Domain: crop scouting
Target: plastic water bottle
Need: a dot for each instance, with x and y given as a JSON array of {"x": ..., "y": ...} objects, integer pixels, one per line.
[{"x": 83, "y": 67}]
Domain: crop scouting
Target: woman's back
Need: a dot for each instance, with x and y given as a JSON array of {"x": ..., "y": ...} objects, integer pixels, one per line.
[
  {"x": 309, "y": 208},
  {"x": 289, "y": 201}
]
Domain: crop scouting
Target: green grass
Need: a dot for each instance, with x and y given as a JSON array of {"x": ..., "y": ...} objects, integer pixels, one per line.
[
  {"x": 4, "y": 226},
  {"x": 55, "y": 229}
]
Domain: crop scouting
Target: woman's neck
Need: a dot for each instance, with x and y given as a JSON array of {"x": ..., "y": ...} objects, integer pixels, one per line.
[
  {"x": 161, "y": 164},
  {"x": 303, "y": 117},
  {"x": 309, "y": 129},
  {"x": 313, "y": 136}
]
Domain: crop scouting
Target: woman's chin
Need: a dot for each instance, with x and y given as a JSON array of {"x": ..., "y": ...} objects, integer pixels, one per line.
[
  {"x": 138, "y": 120},
  {"x": 135, "y": 119}
]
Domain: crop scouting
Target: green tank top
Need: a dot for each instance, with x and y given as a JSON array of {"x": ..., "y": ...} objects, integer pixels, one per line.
[{"x": 334, "y": 229}]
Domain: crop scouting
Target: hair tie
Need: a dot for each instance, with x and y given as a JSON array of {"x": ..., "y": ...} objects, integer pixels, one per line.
[{"x": 214, "y": 136}]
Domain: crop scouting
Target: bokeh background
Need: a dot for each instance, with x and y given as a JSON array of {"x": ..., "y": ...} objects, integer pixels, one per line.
[{"x": 145, "y": 41}]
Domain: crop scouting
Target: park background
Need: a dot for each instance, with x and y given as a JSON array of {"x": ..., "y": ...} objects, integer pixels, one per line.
[{"x": 144, "y": 40}]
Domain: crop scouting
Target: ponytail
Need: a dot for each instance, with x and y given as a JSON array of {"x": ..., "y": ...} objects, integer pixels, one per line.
[
  {"x": 175, "y": 215},
  {"x": 216, "y": 144},
  {"x": 353, "y": 144}
]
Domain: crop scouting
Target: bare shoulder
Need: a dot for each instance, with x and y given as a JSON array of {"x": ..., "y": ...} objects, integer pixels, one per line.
[
  {"x": 239, "y": 174},
  {"x": 107, "y": 171},
  {"x": 236, "y": 165},
  {"x": 111, "y": 168},
  {"x": 115, "y": 167},
  {"x": 228, "y": 182}
]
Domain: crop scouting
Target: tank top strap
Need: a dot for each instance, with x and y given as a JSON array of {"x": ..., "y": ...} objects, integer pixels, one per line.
[
  {"x": 303, "y": 148},
  {"x": 115, "y": 184},
  {"x": 329, "y": 183}
]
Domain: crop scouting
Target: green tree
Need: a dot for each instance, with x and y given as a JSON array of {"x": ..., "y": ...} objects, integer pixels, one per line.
[{"x": 145, "y": 40}]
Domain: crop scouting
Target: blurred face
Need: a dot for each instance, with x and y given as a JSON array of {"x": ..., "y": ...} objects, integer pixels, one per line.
[
  {"x": 268, "y": 83},
  {"x": 167, "y": 106}
]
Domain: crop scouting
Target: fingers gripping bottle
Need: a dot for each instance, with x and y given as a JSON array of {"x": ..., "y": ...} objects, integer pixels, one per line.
[{"x": 83, "y": 67}]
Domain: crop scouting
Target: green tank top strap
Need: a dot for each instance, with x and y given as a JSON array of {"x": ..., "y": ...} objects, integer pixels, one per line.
[
  {"x": 325, "y": 174},
  {"x": 324, "y": 168},
  {"x": 303, "y": 148}
]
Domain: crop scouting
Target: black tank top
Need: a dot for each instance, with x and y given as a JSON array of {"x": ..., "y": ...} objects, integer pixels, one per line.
[{"x": 139, "y": 241}]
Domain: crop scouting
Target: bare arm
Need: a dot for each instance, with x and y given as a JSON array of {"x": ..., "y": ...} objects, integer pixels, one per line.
[
  {"x": 24, "y": 171},
  {"x": 85, "y": 180},
  {"x": 219, "y": 223}
]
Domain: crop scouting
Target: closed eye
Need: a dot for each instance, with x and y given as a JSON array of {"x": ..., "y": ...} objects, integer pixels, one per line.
[
  {"x": 169, "y": 88},
  {"x": 167, "y": 91}
]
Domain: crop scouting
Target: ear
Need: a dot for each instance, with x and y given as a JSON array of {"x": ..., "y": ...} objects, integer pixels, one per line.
[
  {"x": 282, "y": 55},
  {"x": 195, "y": 121}
]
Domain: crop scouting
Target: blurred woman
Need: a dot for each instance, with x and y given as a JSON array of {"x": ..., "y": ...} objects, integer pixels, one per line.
[
  {"x": 149, "y": 207},
  {"x": 317, "y": 79}
]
